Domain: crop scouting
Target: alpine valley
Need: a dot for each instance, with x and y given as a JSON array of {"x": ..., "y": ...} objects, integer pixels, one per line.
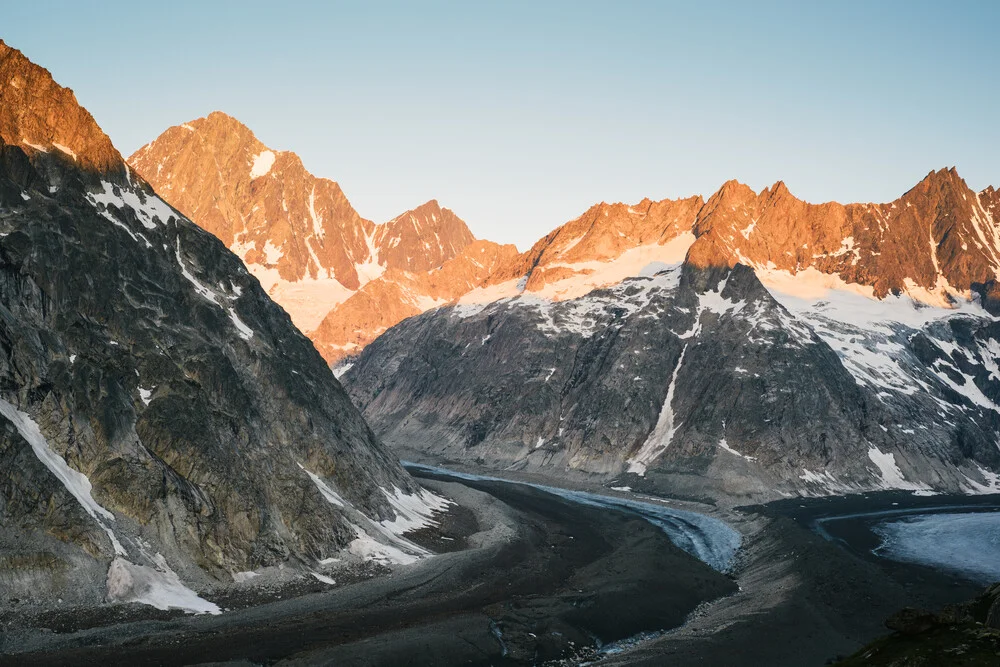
[{"x": 666, "y": 433}]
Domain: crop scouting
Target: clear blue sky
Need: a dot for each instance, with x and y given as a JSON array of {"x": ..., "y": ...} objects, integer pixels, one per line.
[{"x": 519, "y": 116}]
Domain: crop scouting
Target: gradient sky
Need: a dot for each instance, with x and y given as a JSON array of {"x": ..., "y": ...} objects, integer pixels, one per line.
[{"x": 519, "y": 116}]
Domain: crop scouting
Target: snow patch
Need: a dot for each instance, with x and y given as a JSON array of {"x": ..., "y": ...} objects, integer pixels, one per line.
[
  {"x": 262, "y": 164},
  {"x": 160, "y": 587},
  {"x": 65, "y": 149},
  {"x": 317, "y": 220},
  {"x": 713, "y": 302},
  {"x": 991, "y": 485},
  {"x": 725, "y": 445},
  {"x": 202, "y": 291},
  {"x": 659, "y": 439},
  {"x": 244, "y": 332},
  {"x": 331, "y": 496},
  {"x": 75, "y": 482},
  {"x": 371, "y": 268},
  {"x": 323, "y": 578},
  {"x": 367, "y": 548},
  {"x": 272, "y": 253},
  {"x": 892, "y": 476},
  {"x": 150, "y": 212},
  {"x": 37, "y": 147},
  {"x": 413, "y": 511}
]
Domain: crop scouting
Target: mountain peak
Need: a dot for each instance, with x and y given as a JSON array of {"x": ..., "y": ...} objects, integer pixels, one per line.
[
  {"x": 38, "y": 115},
  {"x": 220, "y": 124},
  {"x": 218, "y": 121},
  {"x": 944, "y": 177},
  {"x": 297, "y": 233},
  {"x": 734, "y": 187},
  {"x": 779, "y": 189},
  {"x": 422, "y": 238},
  {"x": 430, "y": 209},
  {"x": 223, "y": 116}
]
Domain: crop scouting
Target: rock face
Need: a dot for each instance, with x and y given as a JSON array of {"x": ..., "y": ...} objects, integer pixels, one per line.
[
  {"x": 938, "y": 238},
  {"x": 297, "y": 233},
  {"x": 606, "y": 244},
  {"x": 157, "y": 409},
  {"x": 396, "y": 295},
  {"x": 797, "y": 349}
]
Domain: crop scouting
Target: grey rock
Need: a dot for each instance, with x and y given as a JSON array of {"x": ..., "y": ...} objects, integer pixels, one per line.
[
  {"x": 153, "y": 363},
  {"x": 763, "y": 403}
]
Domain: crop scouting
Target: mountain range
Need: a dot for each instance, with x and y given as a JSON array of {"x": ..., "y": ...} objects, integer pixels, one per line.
[
  {"x": 746, "y": 345},
  {"x": 744, "y": 348}
]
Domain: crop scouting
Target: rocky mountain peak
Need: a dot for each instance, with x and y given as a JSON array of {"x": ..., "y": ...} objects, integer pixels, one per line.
[
  {"x": 941, "y": 183},
  {"x": 938, "y": 238},
  {"x": 296, "y": 232},
  {"x": 778, "y": 191},
  {"x": 40, "y": 116},
  {"x": 422, "y": 238}
]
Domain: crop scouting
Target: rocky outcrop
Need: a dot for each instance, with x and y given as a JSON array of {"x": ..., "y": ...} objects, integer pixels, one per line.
[
  {"x": 158, "y": 412},
  {"x": 40, "y": 116},
  {"x": 298, "y": 234},
  {"x": 421, "y": 239},
  {"x": 965, "y": 633}
]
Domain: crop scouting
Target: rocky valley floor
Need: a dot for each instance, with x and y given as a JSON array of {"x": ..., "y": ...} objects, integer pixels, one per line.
[
  {"x": 524, "y": 577},
  {"x": 541, "y": 580}
]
